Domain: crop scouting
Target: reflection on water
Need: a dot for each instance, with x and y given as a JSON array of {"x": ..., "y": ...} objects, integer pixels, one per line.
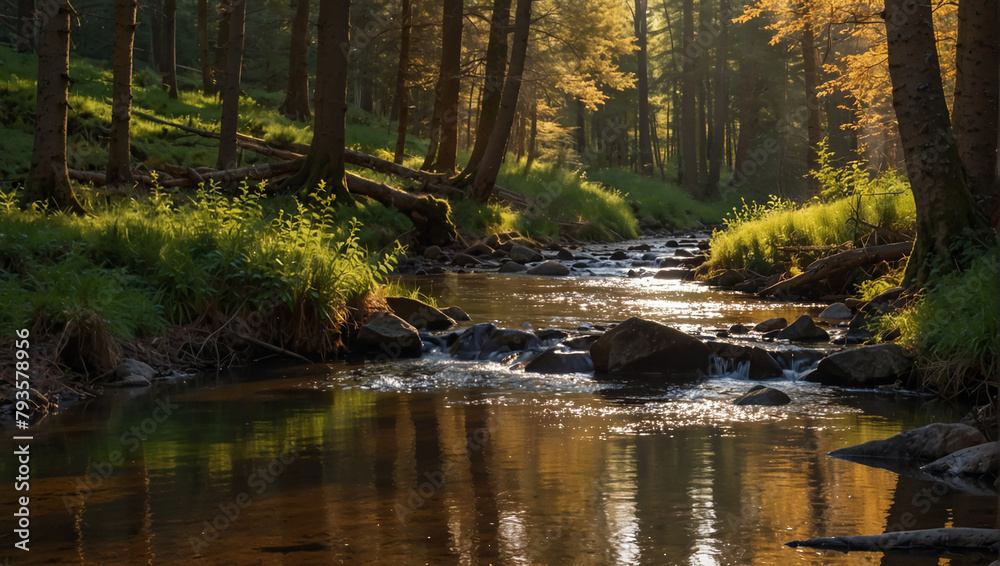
[
  {"x": 443, "y": 462},
  {"x": 512, "y": 300},
  {"x": 332, "y": 464}
]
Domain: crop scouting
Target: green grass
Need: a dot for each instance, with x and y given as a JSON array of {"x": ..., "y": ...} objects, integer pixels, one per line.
[
  {"x": 143, "y": 265},
  {"x": 952, "y": 328},
  {"x": 755, "y": 232},
  {"x": 662, "y": 201}
]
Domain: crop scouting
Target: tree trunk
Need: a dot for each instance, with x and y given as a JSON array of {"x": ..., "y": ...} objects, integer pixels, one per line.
[
  {"x": 170, "y": 46},
  {"x": 325, "y": 161},
  {"x": 25, "y": 26},
  {"x": 947, "y": 222},
  {"x": 48, "y": 178},
  {"x": 496, "y": 68},
  {"x": 974, "y": 115},
  {"x": 489, "y": 167},
  {"x": 119, "y": 147},
  {"x": 231, "y": 88},
  {"x": 751, "y": 87},
  {"x": 296, "y": 104},
  {"x": 444, "y": 140},
  {"x": 689, "y": 110},
  {"x": 533, "y": 133},
  {"x": 721, "y": 112},
  {"x": 581, "y": 129},
  {"x": 814, "y": 127},
  {"x": 645, "y": 143},
  {"x": 402, "y": 78},
  {"x": 207, "y": 81},
  {"x": 222, "y": 43}
]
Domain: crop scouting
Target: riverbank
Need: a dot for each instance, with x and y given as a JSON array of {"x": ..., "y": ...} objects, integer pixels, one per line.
[
  {"x": 182, "y": 282},
  {"x": 852, "y": 248}
]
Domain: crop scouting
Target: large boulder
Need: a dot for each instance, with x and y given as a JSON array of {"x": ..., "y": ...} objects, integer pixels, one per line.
[
  {"x": 643, "y": 346},
  {"x": 771, "y": 324},
  {"x": 421, "y": 315},
  {"x": 487, "y": 342},
  {"x": 555, "y": 361},
  {"x": 977, "y": 460},
  {"x": 456, "y": 314},
  {"x": 550, "y": 267},
  {"x": 522, "y": 254},
  {"x": 386, "y": 336},
  {"x": 132, "y": 373},
  {"x": 836, "y": 311},
  {"x": 760, "y": 395},
  {"x": 869, "y": 366},
  {"x": 927, "y": 443},
  {"x": 803, "y": 330},
  {"x": 512, "y": 267}
]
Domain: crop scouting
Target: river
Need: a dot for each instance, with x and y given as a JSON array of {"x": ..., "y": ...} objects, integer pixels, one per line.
[{"x": 436, "y": 461}]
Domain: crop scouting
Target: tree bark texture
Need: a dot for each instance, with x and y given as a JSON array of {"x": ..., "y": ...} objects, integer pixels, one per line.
[
  {"x": 721, "y": 99},
  {"x": 814, "y": 125},
  {"x": 402, "y": 80},
  {"x": 444, "y": 139},
  {"x": 48, "y": 178},
  {"x": 222, "y": 43},
  {"x": 495, "y": 71},
  {"x": 231, "y": 87},
  {"x": 752, "y": 87},
  {"x": 25, "y": 26},
  {"x": 642, "y": 83},
  {"x": 170, "y": 46},
  {"x": 296, "y": 103},
  {"x": 977, "y": 87},
  {"x": 689, "y": 110},
  {"x": 325, "y": 160},
  {"x": 207, "y": 80},
  {"x": 119, "y": 146},
  {"x": 947, "y": 222},
  {"x": 489, "y": 167}
]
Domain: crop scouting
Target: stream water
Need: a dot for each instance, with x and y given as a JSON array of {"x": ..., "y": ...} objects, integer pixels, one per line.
[{"x": 436, "y": 461}]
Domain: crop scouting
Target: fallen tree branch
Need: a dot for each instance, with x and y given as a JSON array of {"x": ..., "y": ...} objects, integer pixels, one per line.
[
  {"x": 839, "y": 263},
  {"x": 941, "y": 540},
  {"x": 272, "y": 347},
  {"x": 433, "y": 183}
]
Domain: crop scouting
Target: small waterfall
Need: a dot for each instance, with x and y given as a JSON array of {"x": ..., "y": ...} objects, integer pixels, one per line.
[{"x": 727, "y": 367}]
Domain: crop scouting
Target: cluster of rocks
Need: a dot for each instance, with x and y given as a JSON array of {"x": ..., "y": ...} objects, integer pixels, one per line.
[
  {"x": 633, "y": 348},
  {"x": 957, "y": 454},
  {"x": 513, "y": 253}
]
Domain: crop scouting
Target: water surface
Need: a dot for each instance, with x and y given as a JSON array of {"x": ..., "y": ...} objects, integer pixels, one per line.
[{"x": 443, "y": 462}]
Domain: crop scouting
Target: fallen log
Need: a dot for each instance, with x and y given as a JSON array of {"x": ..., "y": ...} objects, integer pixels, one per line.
[
  {"x": 430, "y": 216},
  {"x": 431, "y": 182},
  {"x": 224, "y": 176},
  {"x": 840, "y": 263},
  {"x": 940, "y": 540}
]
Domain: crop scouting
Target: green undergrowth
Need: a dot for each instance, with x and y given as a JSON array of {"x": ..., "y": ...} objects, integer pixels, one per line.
[
  {"x": 952, "y": 328},
  {"x": 141, "y": 265},
  {"x": 665, "y": 202},
  {"x": 755, "y": 232},
  {"x": 559, "y": 193}
]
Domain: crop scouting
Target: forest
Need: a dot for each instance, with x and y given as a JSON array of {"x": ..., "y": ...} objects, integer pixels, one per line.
[{"x": 351, "y": 128}]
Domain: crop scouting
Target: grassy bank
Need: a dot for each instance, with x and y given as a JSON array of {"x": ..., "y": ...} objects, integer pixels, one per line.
[
  {"x": 204, "y": 271},
  {"x": 755, "y": 233},
  {"x": 951, "y": 326}
]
